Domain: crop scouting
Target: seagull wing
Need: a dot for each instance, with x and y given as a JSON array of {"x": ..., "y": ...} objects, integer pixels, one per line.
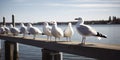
[
  {"x": 15, "y": 30},
  {"x": 23, "y": 30},
  {"x": 49, "y": 30},
  {"x": 86, "y": 30},
  {"x": 68, "y": 32},
  {"x": 37, "y": 30},
  {"x": 59, "y": 32}
]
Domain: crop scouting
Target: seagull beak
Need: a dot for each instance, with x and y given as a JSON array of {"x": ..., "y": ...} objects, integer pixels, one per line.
[{"x": 78, "y": 18}]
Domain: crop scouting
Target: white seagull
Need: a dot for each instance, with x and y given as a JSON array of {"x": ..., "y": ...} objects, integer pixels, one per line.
[
  {"x": 15, "y": 31},
  {"x": 86, "y": 30},
  {"x": 56, "y": 31},
  {"x": 47, "y": 30},
  {"x": 7, "y": 30},
  {"x": 23, "y": 30},
  {"x": 2, "y": 30},
  {"x": 68, "y": 32},
  {"x": 33, "y": 30}
]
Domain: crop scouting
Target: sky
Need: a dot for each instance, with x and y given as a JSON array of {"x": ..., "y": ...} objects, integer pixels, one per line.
[{"x": 58, "y": 10}]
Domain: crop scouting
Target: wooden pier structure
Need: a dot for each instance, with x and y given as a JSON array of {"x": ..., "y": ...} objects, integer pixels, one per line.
[{"x": 98, "y": 51}]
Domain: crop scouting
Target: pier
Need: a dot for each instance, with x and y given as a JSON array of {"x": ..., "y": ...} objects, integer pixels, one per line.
[{"x": 93, "y": 50}]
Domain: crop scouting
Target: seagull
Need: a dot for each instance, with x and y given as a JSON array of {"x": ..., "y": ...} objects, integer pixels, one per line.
[
  {"x": 23, "y": 29},
  {"x": 33, "y": 30},
  {"x": 2, "y": 30},
  {"x": 56, "y": 31},
  {"x": 86, "y": 30},
  {"x": 7, "y": 30},
  {"x": 15, "y": 31},
  {"x": 47, "y": 30},
  {"x": 68, "y": 32}
]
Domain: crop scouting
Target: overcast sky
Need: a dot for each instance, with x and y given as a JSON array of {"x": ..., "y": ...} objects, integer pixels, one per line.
[{"x": 59, "y": 10}]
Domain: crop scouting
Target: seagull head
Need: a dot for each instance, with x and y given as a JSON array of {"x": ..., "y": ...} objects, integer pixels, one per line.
[
  {"x": 22, "y": 24},
  {"x": 11, "y": 25},
  {"x": 69, "y": 24},
  {"x": 45, "y": 23},
  {"x": 29, "y": 25},
  {"x": 78, "y": 18},
  {"x": 54, "y": 22}
]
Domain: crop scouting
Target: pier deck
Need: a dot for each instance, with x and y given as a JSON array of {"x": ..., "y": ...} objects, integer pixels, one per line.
[{"x": 93, "y": 50}]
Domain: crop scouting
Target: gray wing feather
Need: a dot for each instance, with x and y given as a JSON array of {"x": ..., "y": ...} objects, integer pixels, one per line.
[{"x": 86, "y": 30}]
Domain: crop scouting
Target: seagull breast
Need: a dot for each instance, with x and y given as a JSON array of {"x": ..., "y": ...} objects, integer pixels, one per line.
[
  {"x": 14, "y": 30},
  {"x": 56, "y": 31},
  {"x": 47, "y": 29},
  {"x": 23, "y": 29},
  {"x": 7, "y": 30},
  {"x": 68, "y": 32},
  {"x": 34, "y": 30},
  {"x": 2, "y": 30}
]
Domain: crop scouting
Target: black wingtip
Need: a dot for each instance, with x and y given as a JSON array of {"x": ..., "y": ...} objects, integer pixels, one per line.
[
  {"x": 104, "y": 36},
  {"x": 101, "y": 35},
  {"x": 43, "y": 33}
]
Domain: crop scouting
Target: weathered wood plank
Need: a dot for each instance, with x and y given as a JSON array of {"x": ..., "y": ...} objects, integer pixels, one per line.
[{"x": 98, "y": 51}]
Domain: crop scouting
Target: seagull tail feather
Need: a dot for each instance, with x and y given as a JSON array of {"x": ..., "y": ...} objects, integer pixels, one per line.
[{"x": 101, "y": 35}]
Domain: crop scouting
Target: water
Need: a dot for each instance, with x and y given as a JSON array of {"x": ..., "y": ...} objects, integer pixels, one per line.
[{"x": 112, "y": 31}]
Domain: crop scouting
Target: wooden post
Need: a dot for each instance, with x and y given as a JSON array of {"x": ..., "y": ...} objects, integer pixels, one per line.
[
  {"x": 16, "y": 49},
  {"x": 3, "y": 45},
  {"x": 13, "y": 21},
  {"x": 9, "y": 50},
  {"x": 10, "y": 53},
  {"x": 2, "y": 50},
  {"x": 51, "y": 55},
  {"x": 3, "y": 21}
]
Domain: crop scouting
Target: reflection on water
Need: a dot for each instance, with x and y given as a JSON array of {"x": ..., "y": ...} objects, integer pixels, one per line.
[{"x": 112, "y": 32}]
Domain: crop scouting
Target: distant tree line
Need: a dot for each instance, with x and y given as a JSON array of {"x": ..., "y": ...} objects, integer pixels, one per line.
[
  {"x": 111, "y": 20},
  {"x": 114, "y": 20}
]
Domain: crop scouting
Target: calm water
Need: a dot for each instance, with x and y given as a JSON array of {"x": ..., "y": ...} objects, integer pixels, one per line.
[{"x": 112, "y": 31}]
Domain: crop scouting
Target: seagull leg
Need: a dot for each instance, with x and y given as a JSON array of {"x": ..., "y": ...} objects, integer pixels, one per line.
[
  {"x": 59, "y": 39},
  {"x": 47, "y": 37},
  {"x": 34, "y": 36},
  {"x": 24, "y": 35},
  {"x": 66, "y": 38},
  {"x": 55, "y": 38},
  {"x": 50, "y": 38},
  {"x": 69, "y": 38},
  {"x": 83, "y": 40}
]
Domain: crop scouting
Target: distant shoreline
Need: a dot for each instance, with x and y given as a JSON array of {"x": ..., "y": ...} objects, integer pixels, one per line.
[
  {"x": 111, "y": 20},
  {"x": 65, "y": 23}
]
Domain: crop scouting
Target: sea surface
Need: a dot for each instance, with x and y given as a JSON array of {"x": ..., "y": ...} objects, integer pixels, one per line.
[{"x": 27, "y": 52}]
